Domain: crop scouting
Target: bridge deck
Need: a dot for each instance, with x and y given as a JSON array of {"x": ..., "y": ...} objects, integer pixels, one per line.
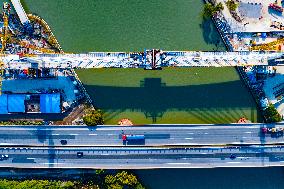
[{"x": 143, "y": 59}]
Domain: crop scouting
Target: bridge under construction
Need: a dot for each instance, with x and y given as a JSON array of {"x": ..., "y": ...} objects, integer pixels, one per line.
[{"x": 148, "y": 59}]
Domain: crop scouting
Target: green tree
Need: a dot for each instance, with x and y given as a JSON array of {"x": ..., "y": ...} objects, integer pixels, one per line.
[
  {"x": 209, "y": 9},
  {"x": 139, "y": 186},
  {"x": 94, "y": 118},
  {"x": 100, "y": 171},
  {"x": 271, "y": 114},
  {"x": 232, "y": 6},
  {"x": 219, "y": 7},
  {"x": 121, "y": 180}
]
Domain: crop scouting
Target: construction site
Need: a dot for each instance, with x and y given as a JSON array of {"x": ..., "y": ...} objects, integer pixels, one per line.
[{"x": 28, "y": 93}]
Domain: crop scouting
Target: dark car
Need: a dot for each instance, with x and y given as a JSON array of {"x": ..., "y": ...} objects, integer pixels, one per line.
[
  {"x": 233, "y": 156},
  {"x": 79, "y": 154},
  {"x": 63, "y": 142}
]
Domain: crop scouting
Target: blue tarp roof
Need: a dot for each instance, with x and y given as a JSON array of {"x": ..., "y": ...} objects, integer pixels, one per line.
[
  {"x": 50, "y": 103},
  {"x": 16, "y": 103},
  {"x": 3, "y": 104}
]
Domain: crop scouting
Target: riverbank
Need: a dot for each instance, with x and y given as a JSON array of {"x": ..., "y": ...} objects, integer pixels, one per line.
[{"x": 67, "y": 179}]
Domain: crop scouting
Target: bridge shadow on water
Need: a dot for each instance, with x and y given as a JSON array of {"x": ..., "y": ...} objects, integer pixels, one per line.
[{"x": 154, "y": 98}]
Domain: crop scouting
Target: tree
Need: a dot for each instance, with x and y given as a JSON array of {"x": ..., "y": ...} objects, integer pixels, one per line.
[
  {"x": 232, "y": 6},
  {"x": 272, "y": 114},
  {"x": 100, "y": 171},
  {"x": 122, "y": 180},
  {"x": 219, "y": 7},
  {"x": 209, "y": 9},
  {"x": 94, "y": 118}
]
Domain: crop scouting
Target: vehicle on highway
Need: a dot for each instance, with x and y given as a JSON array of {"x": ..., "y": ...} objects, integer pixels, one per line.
[
  {"x": 4, "y": 157},
  {"x": 63, "y": 142},
  {"x": 272, "y": 129},
  {"x": 275, "y": 131},
  {"x": 233, "y": 156},
  {"x": 79, "y": 154},
  {"x": 133, "y": 137}
]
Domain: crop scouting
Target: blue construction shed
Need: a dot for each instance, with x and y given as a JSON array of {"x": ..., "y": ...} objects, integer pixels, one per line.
[
  {"x": 50, "y": 103},
  {"x": 3, "y": 104},
  {"x": 16, "y": 103}
]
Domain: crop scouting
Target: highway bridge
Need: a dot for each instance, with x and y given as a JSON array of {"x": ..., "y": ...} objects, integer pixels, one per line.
[
  {"x": 148, "y": 59},
  {"x": 142, "y": 157},
  {"x": 155, "y": 135},
  {"x": 165, "y": 146}
]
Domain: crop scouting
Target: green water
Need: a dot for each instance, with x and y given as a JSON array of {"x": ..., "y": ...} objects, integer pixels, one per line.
[
  {"x": 171, "y": 95},
  {"x": 127, "y": 25}
]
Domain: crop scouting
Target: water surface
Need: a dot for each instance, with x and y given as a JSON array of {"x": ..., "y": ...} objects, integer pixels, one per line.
[{"x": 127, "y": 25}]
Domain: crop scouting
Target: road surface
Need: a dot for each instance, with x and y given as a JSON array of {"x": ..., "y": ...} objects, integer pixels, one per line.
[
  {"x": 142, "y": 157},
  {"x": 155, "y": 135}
]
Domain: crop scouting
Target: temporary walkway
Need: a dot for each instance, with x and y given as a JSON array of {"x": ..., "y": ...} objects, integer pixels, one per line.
[
  {"x": 20, "y": 11},
  {"x": 144, "y": 59}
]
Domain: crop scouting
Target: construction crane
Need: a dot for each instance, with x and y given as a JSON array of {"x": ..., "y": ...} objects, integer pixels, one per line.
[
  {"x": 5, "y": 29},
  {"x": 4, "y": 37}
]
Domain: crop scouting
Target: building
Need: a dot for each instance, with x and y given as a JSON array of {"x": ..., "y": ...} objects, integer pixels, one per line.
[{"x": 30, "y": 103}]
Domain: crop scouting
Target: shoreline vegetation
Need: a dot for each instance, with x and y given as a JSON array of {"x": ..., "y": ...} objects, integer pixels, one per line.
[
  {"x": 21, "y": 122},
  {"x": 100, "y": 180},
  {"x": 210, "y": 9}
]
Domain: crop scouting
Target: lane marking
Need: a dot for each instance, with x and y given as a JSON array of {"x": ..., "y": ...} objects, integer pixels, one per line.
[
  {"x": 178, "y": 163},
  {"x": 52, "y": 163},
  {"x": 233, "y": 162},
  {"x": 188, "y": 138},
  {"x": 93, "y": 134},
  {"x": 74, "y": 134},
  {"x": 248, "y": 132}
]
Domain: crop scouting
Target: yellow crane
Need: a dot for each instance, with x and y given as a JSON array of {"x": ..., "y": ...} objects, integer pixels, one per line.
[{"x": 4, "y": 36}]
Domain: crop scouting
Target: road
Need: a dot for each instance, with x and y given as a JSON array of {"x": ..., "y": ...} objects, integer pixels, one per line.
[
  {"x": 140, "y": 158},
  {"x": 155, "y": 135}
]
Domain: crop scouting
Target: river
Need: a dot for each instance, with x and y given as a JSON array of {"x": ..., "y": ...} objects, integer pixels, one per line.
[{"x": 115, "y": 25}]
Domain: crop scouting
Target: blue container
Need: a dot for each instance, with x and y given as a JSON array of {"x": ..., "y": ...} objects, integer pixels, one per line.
[{"x": 135, "y": 137}]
